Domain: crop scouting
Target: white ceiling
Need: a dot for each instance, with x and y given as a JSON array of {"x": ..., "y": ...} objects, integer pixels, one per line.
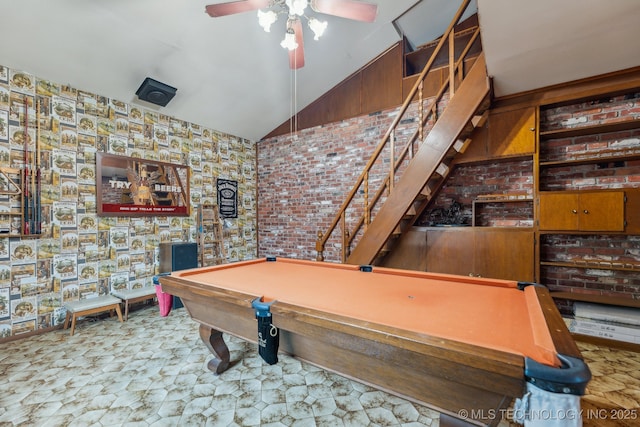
[
  {"x": 233, "y": 77},
  {"x": 530, "y": 44}
]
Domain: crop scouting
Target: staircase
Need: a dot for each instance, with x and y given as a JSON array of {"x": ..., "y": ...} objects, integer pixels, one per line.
[{"x": 419, "y": 165}]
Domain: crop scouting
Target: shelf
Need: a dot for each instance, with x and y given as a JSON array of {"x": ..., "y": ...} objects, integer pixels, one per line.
[
  {"x": 602, "y": 265},
  {"x": 617, "y": 157},
  {"x": 597, "y": 299},
  {"x": 584, "y": 233},
  {"x": 607, "y": 342},
  {"x": 505, "y": 199},
  {"x": 590, "y": 130},
  {"x": 497, "y": 198}
]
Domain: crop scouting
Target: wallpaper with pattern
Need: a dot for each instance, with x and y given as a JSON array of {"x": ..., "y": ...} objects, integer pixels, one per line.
[{"x": 78, "y": 254}]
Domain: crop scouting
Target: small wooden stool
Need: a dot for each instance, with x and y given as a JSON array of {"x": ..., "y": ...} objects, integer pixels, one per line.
[
  {"x": 129, "y": 296},
  {"x": 88, "y": 306}
]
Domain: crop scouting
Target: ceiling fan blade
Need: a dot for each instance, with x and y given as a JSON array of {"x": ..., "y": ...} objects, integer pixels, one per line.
[
  {"x": 296, "y": 56},
  {"x": 233, "y": 7},
  {"x": 350, "y": 9}
]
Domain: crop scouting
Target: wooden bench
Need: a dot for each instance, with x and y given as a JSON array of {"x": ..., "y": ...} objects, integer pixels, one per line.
[
  {"x": 85, "y": 307},
  {"x": 129, "y": 296}
]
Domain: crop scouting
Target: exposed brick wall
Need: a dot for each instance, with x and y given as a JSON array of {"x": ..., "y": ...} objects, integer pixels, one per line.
[
  {"x": 303, "y": 180},
  {"x": 617, "y": 255},
  {"x": 591, "y": 112},
  {"x": 582, "y": 146},
  {"x": 304, "y": 177},
  {"x": 590, "y": 281},
  {"x": 467, "y": 182},
  {"x": 593, "y": 176},
  {"x": 609, "y": 173}
]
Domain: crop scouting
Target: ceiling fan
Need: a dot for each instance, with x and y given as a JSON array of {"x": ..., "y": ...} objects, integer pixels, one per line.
[{"x": 295, "y": 10}]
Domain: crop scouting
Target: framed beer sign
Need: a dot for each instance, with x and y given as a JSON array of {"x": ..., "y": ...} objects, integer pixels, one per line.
[{"x": 129, "y": 186}]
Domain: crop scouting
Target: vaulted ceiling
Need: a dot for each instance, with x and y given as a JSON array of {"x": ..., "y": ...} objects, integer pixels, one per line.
[{"x": 233, "y": 77}]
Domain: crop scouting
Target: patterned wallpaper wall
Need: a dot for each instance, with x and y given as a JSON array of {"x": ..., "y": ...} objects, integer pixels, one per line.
[{"x": 81, "y": 255}]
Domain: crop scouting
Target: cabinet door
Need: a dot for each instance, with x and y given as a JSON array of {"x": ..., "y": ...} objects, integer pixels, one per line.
[
  {"x": 410, "y": 253},
  {"x": 601, "y": 211},
  {"x": 450, "y": 250},
  {"x": 559, "y": 211},
  {"x": 506, "y": 133},
  {"x": 512, "y": 133},
  {"x": 504, "y": 254},
  {"x": 487, "y": 252}
]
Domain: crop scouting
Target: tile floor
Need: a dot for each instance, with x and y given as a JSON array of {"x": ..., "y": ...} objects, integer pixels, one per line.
[{"x": 151, "y": 371}]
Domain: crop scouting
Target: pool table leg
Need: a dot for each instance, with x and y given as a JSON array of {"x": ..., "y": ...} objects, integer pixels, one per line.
[{"x": 212, "y": 338}]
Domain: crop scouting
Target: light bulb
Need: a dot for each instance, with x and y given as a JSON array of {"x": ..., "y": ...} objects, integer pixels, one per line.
[
  {"x": 317, "y": 27},
  {"x": 289, "y": 41},
  {"x": 296, "y": 7},
  {"x": 266, "y": 19}
]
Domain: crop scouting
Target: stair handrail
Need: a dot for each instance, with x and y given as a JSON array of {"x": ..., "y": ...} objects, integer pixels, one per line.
[{"x": 387, "y": 182}]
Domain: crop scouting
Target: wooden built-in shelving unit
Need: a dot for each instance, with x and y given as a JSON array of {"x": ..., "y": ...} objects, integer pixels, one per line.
[{"x": 599, "y": 210}]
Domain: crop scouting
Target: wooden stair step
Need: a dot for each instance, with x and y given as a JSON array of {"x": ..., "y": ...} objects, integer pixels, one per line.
[
  {"x": 426, "y": 192},
  {"x": 442, "y": 170},
  {"x": 479, "y": 120},
  {"x": 461, "y": 145}
]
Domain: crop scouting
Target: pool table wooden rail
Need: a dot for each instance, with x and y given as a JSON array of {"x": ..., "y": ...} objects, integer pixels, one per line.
[
  {"x": 560, "y": 334},
  {"x": 444, "y": 374}
]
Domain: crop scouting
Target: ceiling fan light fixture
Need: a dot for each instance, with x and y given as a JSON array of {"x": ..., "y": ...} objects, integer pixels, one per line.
[
  {"x": 289, "y": 41},
  {"x": 317, "y": 27},
  {"x": 270, "y": 10},
  {"x": 266, "y": 19}
]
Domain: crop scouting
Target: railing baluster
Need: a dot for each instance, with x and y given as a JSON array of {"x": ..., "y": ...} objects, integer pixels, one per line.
[
  {"x": 392, "y": 161},
  {"x": 367, "y": 212},
  {"x": 347, "y": 250},
  {"x": 345, "y": 233},
  {"x": 452, "y": 61},
  {"x": 420, "y": 114}
]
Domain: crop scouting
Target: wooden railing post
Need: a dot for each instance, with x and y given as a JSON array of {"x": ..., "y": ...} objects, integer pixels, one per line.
[{"x": 319, "y": 247}]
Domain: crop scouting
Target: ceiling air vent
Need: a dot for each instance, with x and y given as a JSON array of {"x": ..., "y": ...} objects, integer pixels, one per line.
[{"x": 155, "y": 92}]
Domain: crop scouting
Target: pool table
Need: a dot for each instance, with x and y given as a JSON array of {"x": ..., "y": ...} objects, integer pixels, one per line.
[{"x": 464, "y": 346}]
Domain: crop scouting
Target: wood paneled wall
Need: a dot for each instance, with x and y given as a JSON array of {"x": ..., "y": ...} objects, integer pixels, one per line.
[
  {"x": 383, "y": 83},
  {"x": 375, "y": 87}
]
